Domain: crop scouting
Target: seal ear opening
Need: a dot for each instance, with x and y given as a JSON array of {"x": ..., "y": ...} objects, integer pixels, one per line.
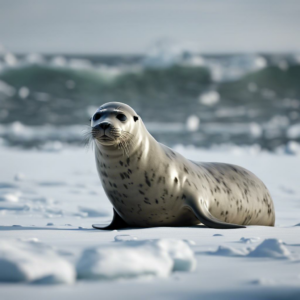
[{"x": 135, "y": 118}]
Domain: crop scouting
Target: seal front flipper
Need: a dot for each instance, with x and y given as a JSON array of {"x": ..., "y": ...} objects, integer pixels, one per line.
[
  {"x": 116, "y": 223},
  {"x": 204, "y": 216}
]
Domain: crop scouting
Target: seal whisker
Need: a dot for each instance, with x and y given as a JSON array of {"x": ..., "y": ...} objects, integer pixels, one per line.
[{"x": 88, "y": 137}]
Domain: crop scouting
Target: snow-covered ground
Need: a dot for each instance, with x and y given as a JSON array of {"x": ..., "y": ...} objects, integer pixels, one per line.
[{"x": 48, "y": 249}]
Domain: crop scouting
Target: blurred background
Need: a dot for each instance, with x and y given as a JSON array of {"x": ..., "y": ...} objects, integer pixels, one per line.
[{"x": 203, "y": 73}]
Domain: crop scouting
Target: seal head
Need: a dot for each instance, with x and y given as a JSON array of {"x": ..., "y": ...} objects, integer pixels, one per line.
[{"x": 114, "y": 127}]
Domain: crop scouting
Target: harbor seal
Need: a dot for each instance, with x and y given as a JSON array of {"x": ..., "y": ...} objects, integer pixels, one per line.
[{"x": 151, "y": 185}]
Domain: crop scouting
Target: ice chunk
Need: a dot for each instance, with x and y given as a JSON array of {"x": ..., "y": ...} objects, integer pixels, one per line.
[
  {"x": 136, "y": 258},
  {"x": 192, "y": 123},
  {"x": 293, "y": 131},
  {"x": 10, "y": 197},
  {"x": 209, "y": 98},
  {"x": 249, "y": 240},
  {"x": 228, "y": 251},
  {"x": 31, "y": 261},
  {"x": 272, "y": 248},
  {"x": 124, "y": 238},
  {"x": 24, "y": 92}
]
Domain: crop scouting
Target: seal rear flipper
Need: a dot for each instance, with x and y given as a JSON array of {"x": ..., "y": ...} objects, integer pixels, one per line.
[
  {"x": 116, "y": 223},
  {"x": 205, "y": 217}
]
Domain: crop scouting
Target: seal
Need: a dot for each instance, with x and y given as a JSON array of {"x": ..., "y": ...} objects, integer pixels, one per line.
[{"x": 151, "y": 185}]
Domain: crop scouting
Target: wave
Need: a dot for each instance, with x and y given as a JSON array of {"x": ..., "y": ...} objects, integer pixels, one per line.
[{"x": 254, "y": 99}]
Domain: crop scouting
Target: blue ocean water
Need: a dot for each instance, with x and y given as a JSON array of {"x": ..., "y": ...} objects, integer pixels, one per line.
[{"x": 184, "y": 98}]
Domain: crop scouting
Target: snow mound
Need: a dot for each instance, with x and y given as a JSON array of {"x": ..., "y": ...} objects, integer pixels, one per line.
[
  {"x": 228, "y": 251},
  {"x": 10, "y": 197},
  {"x": 135, "y": 259},
  {"x": 124, "y": 238},
  {"x": 249, "y": 240},
  {"x": 272, "y": 248},
  {"x": 31, "y": 261}
]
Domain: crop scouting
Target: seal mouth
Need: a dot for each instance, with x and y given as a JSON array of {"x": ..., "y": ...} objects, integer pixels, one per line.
[{"x": 105, "y": 138}]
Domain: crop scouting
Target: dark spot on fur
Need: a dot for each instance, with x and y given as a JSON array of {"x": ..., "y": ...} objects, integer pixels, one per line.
[
  {"x": 156, "y": 201},
  {"x": 121, "y": 163},
  {"x": 125, "y": 186},
  {"x": 104, "y": 173},
  {"x": 185, "y": 169},
  {"x": 142, "y": 193},
  {"x": 147, "y": 180}
]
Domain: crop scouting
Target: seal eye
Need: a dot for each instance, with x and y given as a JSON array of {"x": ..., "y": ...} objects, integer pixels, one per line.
[
  {"x": 121, "y": 117},
  {"x": 96, "y": 116}
]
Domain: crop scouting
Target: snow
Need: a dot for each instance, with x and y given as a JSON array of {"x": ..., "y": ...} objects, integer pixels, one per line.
[
  {"x": 249, "y": 240},
  {"x": 136, "y": 259},
  {"x": 124, "y": 237},
  {"x": 272, "y": 248},
  {"x": 46, "y": 235},
  {"x": 31, "y": 261}
]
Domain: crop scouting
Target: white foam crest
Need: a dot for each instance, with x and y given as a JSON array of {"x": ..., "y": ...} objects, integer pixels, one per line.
[
  {"x": 19, "y": 132},
  {"x": 6, "y": 89}
]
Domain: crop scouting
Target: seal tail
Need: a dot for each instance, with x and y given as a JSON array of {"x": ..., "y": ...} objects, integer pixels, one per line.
[
  {"x": 205, "y": 217},
  {"x": 116, "y": 223}
]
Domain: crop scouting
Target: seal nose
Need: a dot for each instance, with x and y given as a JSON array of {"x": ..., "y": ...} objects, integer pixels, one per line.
[{"x": 104, "y": 125}]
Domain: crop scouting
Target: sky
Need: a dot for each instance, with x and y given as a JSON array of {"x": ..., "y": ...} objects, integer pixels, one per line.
[{"x": 132, "y": 26}]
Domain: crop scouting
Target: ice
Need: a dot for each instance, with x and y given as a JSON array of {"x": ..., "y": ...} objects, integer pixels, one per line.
[
  {"x": 33, "y": 262},
  {"x": 293, "y": 131},
  {"x": 9, "y": 197},
  {"x": 124, "y": 238},
  {"x": 255, "y": 130},
  {"x": 272, "y": 248},
  {"x": 135, "y": 259},
  {"x": 192, "y": 123},
  {"x": 209, "y": 98},
  {"x": 24, "y": 92},
  {"x": 228, "y": 251},
  {"x": 232, "y": 268},
  {"x": 249, "y": 240}
]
